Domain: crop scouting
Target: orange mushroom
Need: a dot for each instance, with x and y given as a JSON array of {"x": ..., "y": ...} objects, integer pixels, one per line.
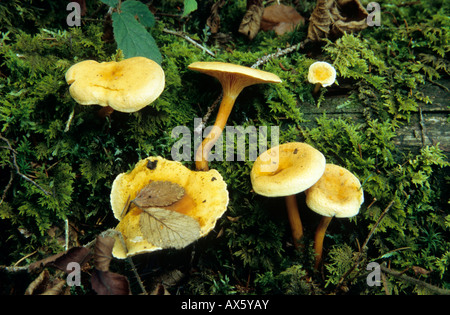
[{"x": 233, "y": 78}]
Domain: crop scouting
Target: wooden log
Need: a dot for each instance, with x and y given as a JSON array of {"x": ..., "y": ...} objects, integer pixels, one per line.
[{"x": 428, "y": 126}]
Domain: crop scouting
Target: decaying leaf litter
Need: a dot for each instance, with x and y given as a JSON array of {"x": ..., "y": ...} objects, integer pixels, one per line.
[{"x": 327, "y": 20}]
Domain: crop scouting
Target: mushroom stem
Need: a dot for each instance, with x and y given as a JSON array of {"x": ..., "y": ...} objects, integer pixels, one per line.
[
  {"x": 201, "y": 156},
  {"x": 105, "y": 111},
  {"x": 294, "y": 219},
  {"x": 316, "y": 88},
  {"x": 318, "y": 239}
]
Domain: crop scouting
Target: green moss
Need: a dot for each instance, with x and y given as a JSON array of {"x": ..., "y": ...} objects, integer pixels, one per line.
[{"x": 250, "y": 250}]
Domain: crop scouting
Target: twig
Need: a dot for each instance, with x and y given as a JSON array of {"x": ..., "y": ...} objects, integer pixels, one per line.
[
  {"x": 376, "y": 225},
  {"x": 18, "y": 172},
  {"x": 361, "y": 250},
  {"x": 432, "y": 288},
  {"x": 67, "y": 232},
  {"x": 7, "y": 187},
  {"x": 198, "y": 129},
  {"x": 279, "y": 53},
  {"x": 190, "y": 40}
]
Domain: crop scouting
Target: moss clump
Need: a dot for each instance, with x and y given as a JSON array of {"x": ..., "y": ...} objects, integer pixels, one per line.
[{"x": 55, "y": 168}]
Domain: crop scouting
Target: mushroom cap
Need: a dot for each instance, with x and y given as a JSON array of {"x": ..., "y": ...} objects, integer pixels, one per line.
[
  {"x": 205, "y": 199},
  {"x": 234, "y": 77},
  {"x": 322, "y": 72},
  {"x": 337, "y": 193},
  {"x": 126, "y": 86},
  {"x": 287, "y": 169}
]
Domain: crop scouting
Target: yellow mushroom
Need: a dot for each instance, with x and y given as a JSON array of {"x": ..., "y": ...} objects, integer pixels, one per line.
[
  {"x": 287, "y": 170},
  {"x": 233, "y": 78},
  {"x": 338, "y": 193},
  {"x": 126, "y": 86},
  {"x": 204, "y": 200},
  {"x": 321, "y": 74}
]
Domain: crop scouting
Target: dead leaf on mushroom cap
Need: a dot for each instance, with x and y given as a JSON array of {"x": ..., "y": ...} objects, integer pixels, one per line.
[
  {"x": 158, "y": 194},
  {"x": 205, "y": 200},
  {"x": 280, "y": 18},
  {"x": 331, "y": 18},
  {"x": 168, "y": 229}
]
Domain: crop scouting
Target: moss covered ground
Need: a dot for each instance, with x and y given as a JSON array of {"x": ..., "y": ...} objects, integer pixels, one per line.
[{"x": 58, "y": 159}]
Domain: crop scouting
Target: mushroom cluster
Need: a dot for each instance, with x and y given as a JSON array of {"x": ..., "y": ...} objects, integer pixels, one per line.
[
  {"x": 163, "y": 204},
  {"x": 331, "y": 190},
  {"x": 287, "y": 170}
]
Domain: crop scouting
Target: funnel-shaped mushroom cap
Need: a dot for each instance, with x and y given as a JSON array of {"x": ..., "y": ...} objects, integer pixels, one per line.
[
  {"x": 234, "y": 77},
  {"x": 337, "y": 193},
  {"x": 322, "y": 72},
  {"x": 126, "y": 86},
  {"x": 205, "y": 199},
  {"x": 287, "y": 169}
]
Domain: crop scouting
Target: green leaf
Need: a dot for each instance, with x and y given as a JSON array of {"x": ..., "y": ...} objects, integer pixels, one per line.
[
  {"x": 133, "y": 39},
  {"x": 189, "y": 6},
  {"x": 111, "y": 3},
  {"x": 139, "y": 10}
]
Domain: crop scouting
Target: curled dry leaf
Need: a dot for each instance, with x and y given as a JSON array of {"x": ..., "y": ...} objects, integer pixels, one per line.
[
  {"x": 252, "y": 19},
  {"x": 103, "y": 281},
  {"x": 213, "y": 20},
  {"x": 44, "y": 285},
  {"x": 281, "y": 18},
  {"x": 331, "y": 18},
  {"x": 102, "y": 252},
  {"x": 168, "y": 229},
  {"x": 158, "y": 194},
  {"x": 109, "y": 283},
  {"x": 80, "y": 255}
]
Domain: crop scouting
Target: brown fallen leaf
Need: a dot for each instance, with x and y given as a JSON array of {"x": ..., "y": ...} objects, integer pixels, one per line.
[
  {"x": 56, "y": 288},
  {"x": 331, "y": 18},
  {"x": 158, "y": 194},
  {"x": 109, "y": 283},
  {"x": 213, "y": 20},
  {"x": 39, "y": 284},
  {"x": 281, "y": 18},
  {"x": 251, "y": 21},
  {"x": 80, "y": 255},
  {"x": 102, "y": 252},
  {"x": 168, "y": 229}
]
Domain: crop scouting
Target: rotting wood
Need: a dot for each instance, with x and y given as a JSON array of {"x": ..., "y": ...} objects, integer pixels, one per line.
[{"x": 427, "y": 126}]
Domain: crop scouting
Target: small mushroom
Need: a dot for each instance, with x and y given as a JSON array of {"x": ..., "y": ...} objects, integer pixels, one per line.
[
  {"x": 287, "y": 170},
  {"x": 233, "y": 78},
  {"x": 125, "y": 86},
  {"x": 338, "y": 193},
  {"x": 185, "y": 201},
  {"x": 321, "y": 74}
]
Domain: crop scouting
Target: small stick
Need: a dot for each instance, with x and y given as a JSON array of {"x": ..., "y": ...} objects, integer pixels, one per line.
[
  {"x": 279, "y": 53},
  {"x": 358, "y": 260},
  {"x": 190, "y": 40},
  {"x": 18, "y": 172},
  {"x": 412, "y": 280}
]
